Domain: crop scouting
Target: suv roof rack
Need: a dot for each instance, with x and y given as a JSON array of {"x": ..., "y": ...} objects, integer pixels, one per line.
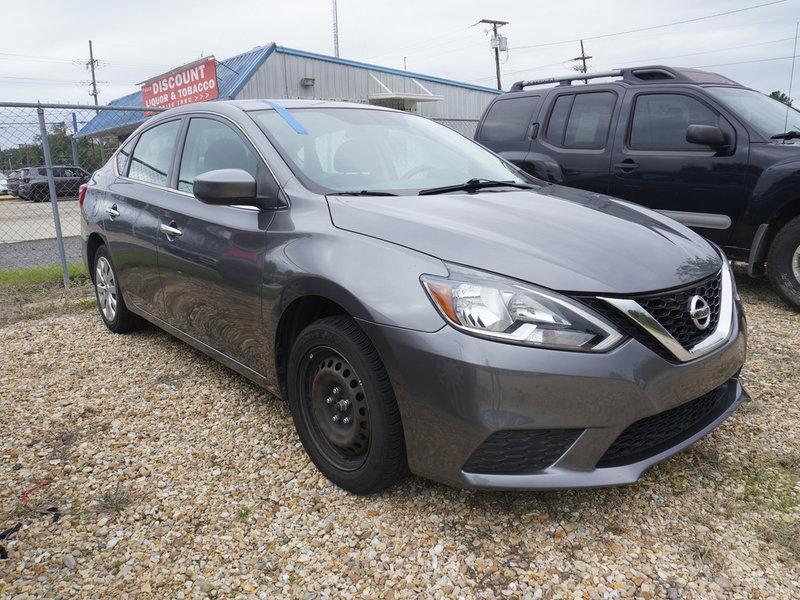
[{"x": 636, "y": 75}]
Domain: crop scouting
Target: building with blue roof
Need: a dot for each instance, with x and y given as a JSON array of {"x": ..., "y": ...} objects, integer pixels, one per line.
[{"x": 274, "y": 71}]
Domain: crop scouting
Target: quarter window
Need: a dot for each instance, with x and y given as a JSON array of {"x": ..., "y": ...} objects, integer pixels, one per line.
[
  {"x": 508, "y": 119},
  {"x": 122, "y": 157},
  {"x": 153, "y": 153},
  {"x": 211, "y": 145},
  {"x": 660, "y": 121},
  {"x": 581, "y": 120}
]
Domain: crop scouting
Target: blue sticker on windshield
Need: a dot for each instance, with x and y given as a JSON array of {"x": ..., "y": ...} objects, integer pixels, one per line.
[{"x": 288, "y": 117}]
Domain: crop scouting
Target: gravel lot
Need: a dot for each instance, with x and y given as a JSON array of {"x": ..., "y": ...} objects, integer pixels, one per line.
[{"x": 174, "y": 477}]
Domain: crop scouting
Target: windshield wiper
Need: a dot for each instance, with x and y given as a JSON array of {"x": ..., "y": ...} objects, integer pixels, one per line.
[
  {"x": 473, "y": 185},
  {"x": 788, "y": 135},
  {"x": 361, "y": 193}
]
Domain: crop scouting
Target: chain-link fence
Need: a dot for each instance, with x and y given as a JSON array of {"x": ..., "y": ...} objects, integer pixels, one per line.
[
  {"x": 47, "y": 151},
  {"x": 465, "y": 127}
]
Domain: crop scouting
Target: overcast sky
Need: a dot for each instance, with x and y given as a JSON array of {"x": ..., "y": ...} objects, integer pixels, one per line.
[{"x": 45, "y": 43}]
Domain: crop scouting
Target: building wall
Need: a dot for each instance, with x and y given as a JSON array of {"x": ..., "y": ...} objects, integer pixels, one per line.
[{"x": 280, "y": 75}]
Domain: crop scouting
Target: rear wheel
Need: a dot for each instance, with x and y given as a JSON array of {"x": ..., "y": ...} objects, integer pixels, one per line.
[
  {"x": 110, "y": 302},
  {"x": 39, "y": 194},
  {"x": 783, "y": 262},
  {"x": 344, "y": 408}
]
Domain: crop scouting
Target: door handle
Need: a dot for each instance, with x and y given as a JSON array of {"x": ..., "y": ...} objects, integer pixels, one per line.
[
  {"x": 112, "y": 211},
  {"x": 170, "y": 230},
  {"x": 627, "y": 165}
]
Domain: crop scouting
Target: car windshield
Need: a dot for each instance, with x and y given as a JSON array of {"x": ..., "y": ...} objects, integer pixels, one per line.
[
  {"x": 365, "y": 150},
  {"x": 766, "y": 114}
]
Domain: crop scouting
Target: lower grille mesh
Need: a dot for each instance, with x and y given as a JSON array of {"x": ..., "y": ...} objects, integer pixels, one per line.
[
  {"x": 520, "y": 451},
  {"x": 651, "y": 435}
]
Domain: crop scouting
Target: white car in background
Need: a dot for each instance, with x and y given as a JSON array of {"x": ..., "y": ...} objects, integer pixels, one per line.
[{"x": 3, "y": 184}]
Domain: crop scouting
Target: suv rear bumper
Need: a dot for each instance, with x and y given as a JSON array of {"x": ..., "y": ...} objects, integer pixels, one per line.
[{"x": 454, "y": 391}]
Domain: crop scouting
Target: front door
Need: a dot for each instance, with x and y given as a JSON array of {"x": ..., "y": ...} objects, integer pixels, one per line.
[
  {"x": 655, "y": 166},
  {"x": 211, "y": 258}
]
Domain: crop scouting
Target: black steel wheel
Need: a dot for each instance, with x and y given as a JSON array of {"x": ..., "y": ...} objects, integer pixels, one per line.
[
  {"x": 344, "y": 408},
  {"x": 336, "y": 406}
]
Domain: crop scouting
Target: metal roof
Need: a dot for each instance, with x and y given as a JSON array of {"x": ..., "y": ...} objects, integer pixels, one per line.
[{"x": 232, "y": 75}]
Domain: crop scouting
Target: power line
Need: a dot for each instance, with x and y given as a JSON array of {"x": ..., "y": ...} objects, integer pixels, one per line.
[
  {"x": 745, "y": 62},
  {"x": 652, "y": 27},
  {"x": 436, "y": 43}
]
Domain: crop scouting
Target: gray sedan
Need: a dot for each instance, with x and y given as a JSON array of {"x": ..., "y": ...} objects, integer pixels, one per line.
[{"x": 420, "y": 302}]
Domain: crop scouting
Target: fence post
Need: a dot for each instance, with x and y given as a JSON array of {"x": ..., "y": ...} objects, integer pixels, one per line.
[
  {"x": 51, "y": 184},
  {"x": 74, "y": 144}
]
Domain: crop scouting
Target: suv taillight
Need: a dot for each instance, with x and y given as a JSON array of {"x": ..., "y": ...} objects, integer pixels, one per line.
[{"x": 81, "y": 195}]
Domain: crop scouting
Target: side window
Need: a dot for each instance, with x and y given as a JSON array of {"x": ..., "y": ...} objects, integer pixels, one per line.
[
  {"x": 152, "y": 155},
  {"x": 508, "y": 120},
  {"x": 212, "y": 145},
  {"x": 589, "y": 120},
  {"x": 122, "y": 157},
  {"x": 558, "y": 119},
  {"x": 660, "y": 121},
  {"x": 43, "y": 172}
]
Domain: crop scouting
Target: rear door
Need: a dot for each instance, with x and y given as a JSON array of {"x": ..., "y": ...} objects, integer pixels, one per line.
[
  {"x": 507, "y": 127},
  {"x": 132, "y": 208},
  {"x": 655, "y": 166},
  {"x": 576, "y": 136},
  {"x": 211, "y": 258}
]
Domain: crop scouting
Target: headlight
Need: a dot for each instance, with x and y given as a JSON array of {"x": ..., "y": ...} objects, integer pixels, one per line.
[{"x": 509, "y": 311}]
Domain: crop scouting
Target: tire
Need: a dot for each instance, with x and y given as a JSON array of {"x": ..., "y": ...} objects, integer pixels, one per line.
[
  {"x": 120, "y": 319},
  {"x": 367, "y": 455},
  {"x": 38, "y": 194},
  {"x": 783, "y": 262}
]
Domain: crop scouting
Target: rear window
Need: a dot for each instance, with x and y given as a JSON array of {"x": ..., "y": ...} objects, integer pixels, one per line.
[
  {"x": 509, "y": 119},
  {"x": 581, "y": 121}
]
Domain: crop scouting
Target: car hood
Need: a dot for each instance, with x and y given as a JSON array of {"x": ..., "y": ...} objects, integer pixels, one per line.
[{"x": 557, "y": 237}]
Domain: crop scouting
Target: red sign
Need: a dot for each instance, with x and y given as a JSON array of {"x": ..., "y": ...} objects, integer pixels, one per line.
[{"x": 195, "y": 82}]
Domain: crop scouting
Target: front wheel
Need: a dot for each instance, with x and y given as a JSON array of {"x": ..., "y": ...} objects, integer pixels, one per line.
[
  {"x": 344, "y": 408},
  {"x": 783, "y": 262}
]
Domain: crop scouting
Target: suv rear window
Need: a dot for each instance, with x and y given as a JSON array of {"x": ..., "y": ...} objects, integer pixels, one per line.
[
  {"x": 508, "y": 119},
  {"x": 581, "y": 120}
]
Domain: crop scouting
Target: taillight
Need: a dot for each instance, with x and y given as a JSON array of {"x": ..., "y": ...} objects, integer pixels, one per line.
[{"x": 81, "y": 195}]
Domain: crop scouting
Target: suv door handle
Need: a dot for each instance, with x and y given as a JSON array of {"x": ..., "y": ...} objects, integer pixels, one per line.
[
  {"x": 112, "y": 211},
  {"x": 627, "y": 165},
  {"x": 170, "y": 230}
]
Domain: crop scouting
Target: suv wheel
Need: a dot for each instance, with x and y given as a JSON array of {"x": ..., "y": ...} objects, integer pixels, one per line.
[
  {"x": 344, "y": 408},
  {"x": 110, "y": 302},
  {"x": 39, "y": 194},
  {"x": 783, "y": 262}
]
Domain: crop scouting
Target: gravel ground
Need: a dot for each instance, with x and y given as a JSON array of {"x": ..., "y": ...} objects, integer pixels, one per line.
[
  {"x": 20, "y": 255},
  {"x": 169, "y": 476}
]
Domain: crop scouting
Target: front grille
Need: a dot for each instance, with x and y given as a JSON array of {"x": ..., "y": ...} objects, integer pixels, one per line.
[
  {"x": 520, "y": 451},
  {"x": 671, "y": 310},
  {"x": 651, "y": 435}
]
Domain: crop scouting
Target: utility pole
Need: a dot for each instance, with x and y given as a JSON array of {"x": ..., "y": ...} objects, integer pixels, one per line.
[
  {"x": 335, "y": 30},
  {"x": 498, "y": 42},
  {"x": 583, "y": 58},
  {"x": 91, "y": 65}
]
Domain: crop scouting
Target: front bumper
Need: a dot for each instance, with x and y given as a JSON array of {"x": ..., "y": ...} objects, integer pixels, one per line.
[{"x": 454, "y": 391}]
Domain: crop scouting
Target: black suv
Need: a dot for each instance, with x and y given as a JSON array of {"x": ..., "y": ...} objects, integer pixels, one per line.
[
  {"x": 716, "y": 156},
  {"x": 67, "y": 179}
]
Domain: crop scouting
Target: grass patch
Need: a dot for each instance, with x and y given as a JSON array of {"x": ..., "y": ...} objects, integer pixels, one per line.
[
  {"x": 114, "y": 501},
  {"x": 43, "y": 275}
]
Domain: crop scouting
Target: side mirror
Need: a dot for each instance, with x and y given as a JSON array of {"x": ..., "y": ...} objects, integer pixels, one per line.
[
  {"x": 226, "y": 187},
  {"x": 706, "y": 135}
]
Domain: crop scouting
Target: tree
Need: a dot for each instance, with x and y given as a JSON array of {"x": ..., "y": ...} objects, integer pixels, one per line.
[{"x": 781, "y": 97}]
